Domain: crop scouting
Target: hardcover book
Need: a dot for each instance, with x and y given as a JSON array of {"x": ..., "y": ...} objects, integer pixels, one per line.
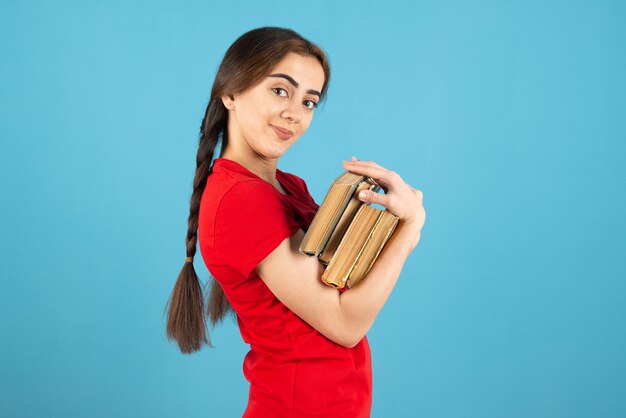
[{"x": 347, "y": 235}]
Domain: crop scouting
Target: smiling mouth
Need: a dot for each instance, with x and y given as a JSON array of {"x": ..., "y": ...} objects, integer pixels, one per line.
[{"x": 282, "y": 133}]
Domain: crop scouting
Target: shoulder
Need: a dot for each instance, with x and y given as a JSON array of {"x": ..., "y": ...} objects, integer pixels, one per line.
[
  {"x": 250, "y": 191},
  {"x": 251, "y": 201},
  {"x": 228, "y": 200}
]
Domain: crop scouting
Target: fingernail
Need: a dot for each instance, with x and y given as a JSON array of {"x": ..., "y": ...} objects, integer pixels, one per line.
[{"x": 362, "y": 194}]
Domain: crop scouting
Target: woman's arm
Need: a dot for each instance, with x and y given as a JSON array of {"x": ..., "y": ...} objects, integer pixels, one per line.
[{"x": 346, "y": 317}]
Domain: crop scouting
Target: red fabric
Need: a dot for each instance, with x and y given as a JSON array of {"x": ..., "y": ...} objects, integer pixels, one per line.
[{"x": 293, "y": 370}]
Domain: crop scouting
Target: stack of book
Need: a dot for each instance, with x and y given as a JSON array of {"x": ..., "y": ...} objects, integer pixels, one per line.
[{"x": 347, "y": 235}]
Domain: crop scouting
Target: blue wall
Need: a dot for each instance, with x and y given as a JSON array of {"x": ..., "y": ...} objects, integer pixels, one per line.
[{"x": 509, "y": 116}]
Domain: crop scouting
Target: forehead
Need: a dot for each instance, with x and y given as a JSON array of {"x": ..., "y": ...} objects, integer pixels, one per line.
[{"x": 306, "y": 70}]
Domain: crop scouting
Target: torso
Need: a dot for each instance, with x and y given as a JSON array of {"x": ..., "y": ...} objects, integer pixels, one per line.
[{"x": 290, "y": 365}]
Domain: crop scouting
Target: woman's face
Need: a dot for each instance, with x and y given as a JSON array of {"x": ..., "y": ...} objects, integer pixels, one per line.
[{"x": 270, "y": 117}]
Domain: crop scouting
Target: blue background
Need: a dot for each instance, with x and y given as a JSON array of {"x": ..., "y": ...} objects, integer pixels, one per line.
[{"x": 509, "y": 116}]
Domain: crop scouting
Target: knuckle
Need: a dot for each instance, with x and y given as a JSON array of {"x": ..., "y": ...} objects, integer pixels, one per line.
[{"x": 393, "y": 175}]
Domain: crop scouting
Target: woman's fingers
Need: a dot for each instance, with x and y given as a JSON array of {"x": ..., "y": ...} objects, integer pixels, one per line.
[
  {"x": 366, "y": 168},
  {"x": 400, "y": 198},
  {"x": 369, "y": 196},
  {"x": 367, "y": 163}
]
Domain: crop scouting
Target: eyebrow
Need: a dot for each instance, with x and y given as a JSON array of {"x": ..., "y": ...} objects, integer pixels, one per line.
[{"x": 294, "y": 83}]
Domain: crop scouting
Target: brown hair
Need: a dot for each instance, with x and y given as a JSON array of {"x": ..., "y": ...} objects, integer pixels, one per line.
[{"x": 246, "y": 63}]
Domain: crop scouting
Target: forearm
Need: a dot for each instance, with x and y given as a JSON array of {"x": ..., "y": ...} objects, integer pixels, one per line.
[{"x": 360, "y": 305}]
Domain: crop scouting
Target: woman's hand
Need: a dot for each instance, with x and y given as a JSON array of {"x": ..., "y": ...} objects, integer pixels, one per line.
[{"x": 400, "y": 198}]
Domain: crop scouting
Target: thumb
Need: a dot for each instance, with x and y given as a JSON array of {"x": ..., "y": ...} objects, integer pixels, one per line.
[{"x": 369, "y": 196}]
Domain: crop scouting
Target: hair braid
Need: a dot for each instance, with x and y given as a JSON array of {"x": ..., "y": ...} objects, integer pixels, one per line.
[{"x": 186, "y": 321}]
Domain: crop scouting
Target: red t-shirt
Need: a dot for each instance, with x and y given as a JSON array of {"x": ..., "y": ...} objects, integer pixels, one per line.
[{"x": 293, "y": 370}]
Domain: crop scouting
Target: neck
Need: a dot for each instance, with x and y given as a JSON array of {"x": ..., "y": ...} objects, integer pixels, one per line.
[{"x": 264, "y": 168}]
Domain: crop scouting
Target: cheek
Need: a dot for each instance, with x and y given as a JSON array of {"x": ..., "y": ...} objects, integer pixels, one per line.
[
  {"x": 306, "y": 121},
  {"x": 261, "y": 109},
  {"x": 255, "y": 115}
]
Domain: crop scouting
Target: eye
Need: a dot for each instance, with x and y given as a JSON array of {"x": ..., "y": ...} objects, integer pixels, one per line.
[
  {"x": 310, "y": 104},
  {"x": 277, "y": 90}
]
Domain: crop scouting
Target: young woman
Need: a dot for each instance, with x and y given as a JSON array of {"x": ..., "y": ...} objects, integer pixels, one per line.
[{"x": 309, "y": 355}]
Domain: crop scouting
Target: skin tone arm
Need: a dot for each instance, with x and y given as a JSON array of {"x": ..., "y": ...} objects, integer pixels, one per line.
[{"x": 346, "y": 317}]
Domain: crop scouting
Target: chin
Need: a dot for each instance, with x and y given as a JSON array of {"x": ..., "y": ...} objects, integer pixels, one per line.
[
  {"x": 277, "y": 155},
  {"x": 278, "y": 151}
]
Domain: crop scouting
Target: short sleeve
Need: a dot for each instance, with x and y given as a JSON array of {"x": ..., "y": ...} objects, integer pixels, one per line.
[{"x": 251, "y": 221}]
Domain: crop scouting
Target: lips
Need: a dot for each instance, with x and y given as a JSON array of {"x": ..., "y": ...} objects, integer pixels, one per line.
[{"x": 282, "y": 133}]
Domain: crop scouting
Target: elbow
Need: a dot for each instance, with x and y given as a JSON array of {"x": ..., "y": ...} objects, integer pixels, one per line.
[
  {"x": 351, "y": 343},
  {"x": 345, "y": 332},
  {"x": 350, "y": 339}
]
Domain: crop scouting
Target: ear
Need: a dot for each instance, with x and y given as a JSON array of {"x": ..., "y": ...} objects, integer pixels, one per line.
[{"x": 229, "y": 101}]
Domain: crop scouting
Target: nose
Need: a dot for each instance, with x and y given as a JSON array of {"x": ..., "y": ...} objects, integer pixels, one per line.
[{"x": 292, "y": 112}]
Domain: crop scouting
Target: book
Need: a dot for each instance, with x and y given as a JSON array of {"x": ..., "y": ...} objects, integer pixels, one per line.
[
  {"x": 347, "y": 235},
  {"x": 334, "y": 215}
]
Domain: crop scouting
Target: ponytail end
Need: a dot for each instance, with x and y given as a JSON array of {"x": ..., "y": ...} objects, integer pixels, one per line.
[{"x": 185, "y": 312}]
